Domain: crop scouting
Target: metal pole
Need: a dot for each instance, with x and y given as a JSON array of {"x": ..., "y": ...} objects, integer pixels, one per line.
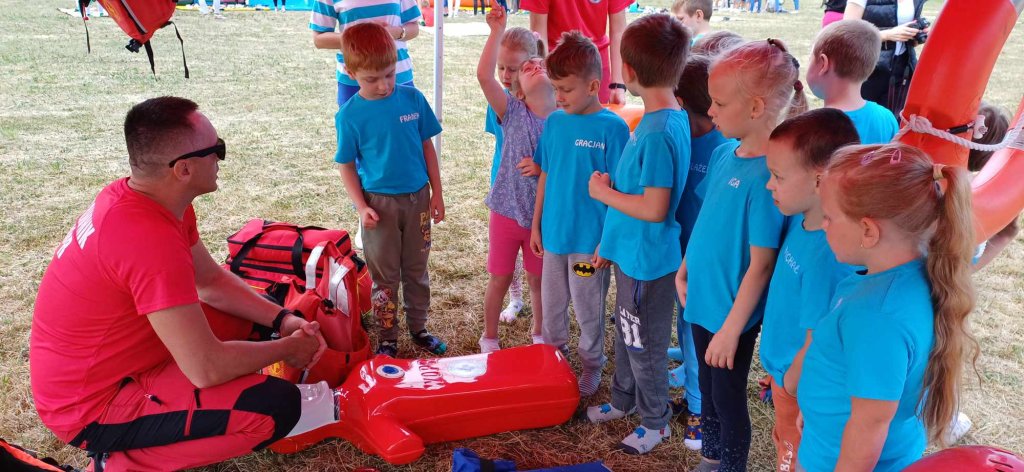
[{"x": 438, "y": 69}]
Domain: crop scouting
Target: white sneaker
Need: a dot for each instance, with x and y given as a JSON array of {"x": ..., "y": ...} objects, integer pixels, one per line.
[
  {"x": 606, "y": 412},
  {"x": 489, "y": 345},
  {"x": 642, "y": 440},
  {"x": 958, "y": 428},
  {"x": 282, "y": 7},
  {"x": 537, "y": 338},
  {"x": 508, "y": 315}
]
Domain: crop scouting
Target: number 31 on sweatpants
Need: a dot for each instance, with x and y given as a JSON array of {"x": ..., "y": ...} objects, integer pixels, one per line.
[{"x": 630, "y": 325}]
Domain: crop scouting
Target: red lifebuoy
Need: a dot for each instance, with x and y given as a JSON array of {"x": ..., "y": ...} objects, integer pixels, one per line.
[{"x": 948, "y": 94}]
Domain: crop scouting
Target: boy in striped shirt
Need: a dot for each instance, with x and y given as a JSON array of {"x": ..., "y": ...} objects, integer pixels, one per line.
[{"x": 399, "y": 17}]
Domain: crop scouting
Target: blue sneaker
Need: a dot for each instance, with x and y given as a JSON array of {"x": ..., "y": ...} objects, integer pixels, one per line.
[
  {"x": 429, "y": 342},
  {"x": 388, "y": 347}
]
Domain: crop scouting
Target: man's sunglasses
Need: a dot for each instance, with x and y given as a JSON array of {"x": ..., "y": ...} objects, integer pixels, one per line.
[{"x": 219, "y": 149}]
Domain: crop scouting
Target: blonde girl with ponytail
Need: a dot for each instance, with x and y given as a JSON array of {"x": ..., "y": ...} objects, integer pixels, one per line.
[{"x": 882, "y": 377}]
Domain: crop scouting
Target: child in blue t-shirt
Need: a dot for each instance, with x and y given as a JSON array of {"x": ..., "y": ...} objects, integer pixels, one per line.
[
  {"x": 842, "y": 58},
  {"x": 517, "y": 46},
  {"x": 882, "y": 376},
  {"x": 732, "y": 250},
  {"x": 578, "y": 140},
  {"x": 640, "y": 235},
  {"x": 396, "y": 188},
  {"x": 806, "y": 273},
  {"x": 514, "y": 194},
  {"x": 692, "y": 94}
]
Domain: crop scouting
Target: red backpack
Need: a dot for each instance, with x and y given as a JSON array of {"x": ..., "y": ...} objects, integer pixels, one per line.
[
  {"x": 139, "y": 19},
  {"x": 331, "y": 295}
]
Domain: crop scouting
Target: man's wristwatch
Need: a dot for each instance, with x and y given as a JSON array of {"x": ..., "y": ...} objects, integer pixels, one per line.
[
  {"x": 615, "y": 85},
  {"x": 276, "y": 325}
]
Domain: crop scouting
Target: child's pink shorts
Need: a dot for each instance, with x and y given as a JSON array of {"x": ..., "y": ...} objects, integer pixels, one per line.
[{"x": 507, "y": 238}]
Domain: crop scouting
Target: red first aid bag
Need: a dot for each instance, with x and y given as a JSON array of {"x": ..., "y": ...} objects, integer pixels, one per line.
[{"x": 267, "y": 252}]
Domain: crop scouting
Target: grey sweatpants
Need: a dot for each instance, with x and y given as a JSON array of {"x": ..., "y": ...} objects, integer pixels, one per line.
[
  {"x": 396, "y": 252},
  {"x": 572, "y": 276},
  {"x": 643, "y": 327}
]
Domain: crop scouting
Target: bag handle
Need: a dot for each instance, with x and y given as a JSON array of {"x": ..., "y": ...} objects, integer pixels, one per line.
[
  {"x": 335, "y": 270},
  {"x": 247, "y": 247}
]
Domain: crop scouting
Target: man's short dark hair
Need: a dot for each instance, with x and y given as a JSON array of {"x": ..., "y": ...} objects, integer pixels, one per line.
[
  {"x": 816, "y": 134},
  {"x": 152, "y": 124},
  {"x": 575, "y": 55},
  {"x": 656, "y": 47}
]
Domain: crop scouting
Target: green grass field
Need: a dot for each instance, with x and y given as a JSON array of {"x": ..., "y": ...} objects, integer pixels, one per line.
[{"x": 271, "y": 96}]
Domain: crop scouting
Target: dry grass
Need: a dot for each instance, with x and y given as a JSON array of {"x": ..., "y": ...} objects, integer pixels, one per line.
[{"x": 271, "y": 96}]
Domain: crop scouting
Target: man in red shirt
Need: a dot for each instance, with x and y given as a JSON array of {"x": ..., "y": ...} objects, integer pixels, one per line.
[
  {"x": 125, "y": 362},
  {"x": 603, "y": 21}
]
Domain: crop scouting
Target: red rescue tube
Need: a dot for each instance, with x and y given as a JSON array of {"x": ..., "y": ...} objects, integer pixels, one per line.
[{"x": 948, "y": 92}]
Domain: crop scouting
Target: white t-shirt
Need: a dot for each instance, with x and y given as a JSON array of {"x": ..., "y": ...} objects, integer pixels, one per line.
[{"x": 904, "y": 15}]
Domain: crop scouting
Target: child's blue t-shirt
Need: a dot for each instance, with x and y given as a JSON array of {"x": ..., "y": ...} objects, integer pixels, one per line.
[
  {"x": 805, "y": 278},
  {"x": 514, "y": 195},
  {"x": 874, "y": 344},
  {"x": 386, "y": 138},
  {"x": 571, "y": 148},
  {"x": 738, "y": 212},
  {"x": 657, "y": 155},
  {"x": 875, "y": 124},
  {"x": 701, "y": 149},
  {"x": 493, "y": 126}
]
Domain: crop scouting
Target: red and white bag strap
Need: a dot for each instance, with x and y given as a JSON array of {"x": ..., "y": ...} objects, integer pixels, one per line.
[{"x": 333, "y": 271}]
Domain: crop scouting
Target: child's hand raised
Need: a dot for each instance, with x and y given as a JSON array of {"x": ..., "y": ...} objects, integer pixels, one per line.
[
  {"x": 722, "y": 350},
  {"x": 528, "y": 168},
  {"x": 496, "y": 18},
  {"x": 368, "y": 217}
]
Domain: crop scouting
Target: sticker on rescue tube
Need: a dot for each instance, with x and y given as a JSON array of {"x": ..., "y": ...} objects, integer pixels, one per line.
[
  {"x": 631, "y": 114},
  {"x": 948, "y": 95},
  {"x": 446, "y": 399}
]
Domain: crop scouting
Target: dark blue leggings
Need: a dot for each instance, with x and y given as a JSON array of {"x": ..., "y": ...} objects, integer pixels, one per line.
[{"x": 725, "y": 421}]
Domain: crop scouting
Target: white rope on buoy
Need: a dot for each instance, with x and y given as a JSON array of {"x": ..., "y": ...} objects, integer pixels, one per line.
[{"x": 1014, "y": 138}]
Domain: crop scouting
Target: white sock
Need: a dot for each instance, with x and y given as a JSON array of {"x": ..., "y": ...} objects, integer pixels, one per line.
[{"x": 489, "y": 345}]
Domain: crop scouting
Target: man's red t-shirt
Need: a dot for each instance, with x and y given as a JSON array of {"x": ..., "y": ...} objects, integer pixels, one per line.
[
  {"x": 590, "y": 17},
  {"x": 126, "y": 256}
]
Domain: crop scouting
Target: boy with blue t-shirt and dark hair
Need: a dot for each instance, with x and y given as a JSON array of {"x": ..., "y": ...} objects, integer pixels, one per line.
[
  {"x": 842, "y": 58},
  {"x": 579, "y": 139},
  {"x": 396, "y": 188},
  {"x": 806, "y": 272},
  {"x": 692, "y": 94},
  {"x": 641, "y": 235}
]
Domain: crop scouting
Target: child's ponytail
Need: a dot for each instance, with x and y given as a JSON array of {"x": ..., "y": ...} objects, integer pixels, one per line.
[
  {"x": 932, "y": 202},
  {"x": 949, "y": 270}
]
